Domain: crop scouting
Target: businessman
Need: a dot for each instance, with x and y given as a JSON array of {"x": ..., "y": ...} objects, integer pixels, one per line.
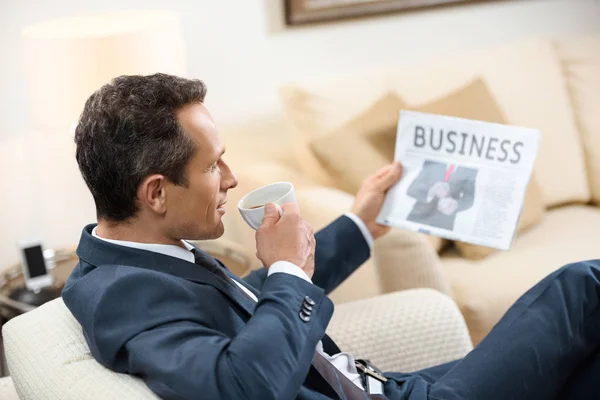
[
  {"x": 442, "y": 191},
  {"x": 154, "y": 306}
]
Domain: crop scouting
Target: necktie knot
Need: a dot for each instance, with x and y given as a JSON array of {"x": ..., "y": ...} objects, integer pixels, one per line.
[{"x": 206, "y": 261}]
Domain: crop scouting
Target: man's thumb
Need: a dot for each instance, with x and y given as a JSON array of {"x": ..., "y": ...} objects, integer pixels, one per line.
[{"x": 271, "y": 215}]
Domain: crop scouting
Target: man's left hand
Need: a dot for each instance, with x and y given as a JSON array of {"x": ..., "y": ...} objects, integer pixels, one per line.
[{"x": 371, "y": 194}]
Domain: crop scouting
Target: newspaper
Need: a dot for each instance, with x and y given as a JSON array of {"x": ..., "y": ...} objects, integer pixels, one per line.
[{"x": 462, "y": 180}]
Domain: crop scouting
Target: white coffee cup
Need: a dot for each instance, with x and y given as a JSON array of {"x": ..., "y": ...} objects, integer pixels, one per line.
[{"x": 252, "y": 205}]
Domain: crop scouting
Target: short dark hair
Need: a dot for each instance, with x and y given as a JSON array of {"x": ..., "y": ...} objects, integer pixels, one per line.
[{"x": 129, "y": 130}]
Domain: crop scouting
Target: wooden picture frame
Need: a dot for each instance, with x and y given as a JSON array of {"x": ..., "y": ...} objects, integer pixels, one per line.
[{"x": 298, "y": 12}]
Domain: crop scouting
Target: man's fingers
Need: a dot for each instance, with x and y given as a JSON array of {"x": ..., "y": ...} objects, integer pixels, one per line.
[
  {"x": 290, "y": 208},
  {"x": 387, "y": 176},
  {"x": 271, "y": 215},
  {"x": 382, "y": 171}
]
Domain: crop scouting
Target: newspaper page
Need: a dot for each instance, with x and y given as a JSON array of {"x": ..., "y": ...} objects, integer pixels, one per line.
[{"x": 462, "y": 180}]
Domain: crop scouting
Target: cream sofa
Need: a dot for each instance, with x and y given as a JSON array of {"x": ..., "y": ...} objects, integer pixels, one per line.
[
  {"x": 552, "y": 85},
  {"x": 49, "y": 359}
]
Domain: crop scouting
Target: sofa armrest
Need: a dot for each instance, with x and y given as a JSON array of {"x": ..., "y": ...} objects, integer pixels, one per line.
[
  {"x": 407, "y": 260},
  {"x": 403, "y": 331}
]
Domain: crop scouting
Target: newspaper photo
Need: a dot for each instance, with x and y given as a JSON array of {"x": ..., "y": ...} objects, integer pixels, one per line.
[{"x": 463, "y": 180}]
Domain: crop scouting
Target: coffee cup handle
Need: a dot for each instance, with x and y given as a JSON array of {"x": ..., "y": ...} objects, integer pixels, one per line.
[{"x": 279, "y": 209}]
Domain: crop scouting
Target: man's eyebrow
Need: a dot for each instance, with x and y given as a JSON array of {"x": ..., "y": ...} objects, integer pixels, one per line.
[{"x": 218, "y": 157}]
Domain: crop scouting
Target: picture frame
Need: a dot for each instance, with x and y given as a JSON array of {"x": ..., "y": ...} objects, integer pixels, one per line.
[{"x": 299, "y": 12}]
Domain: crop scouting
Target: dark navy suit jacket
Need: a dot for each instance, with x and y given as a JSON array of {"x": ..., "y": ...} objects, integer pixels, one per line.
[{"x": 190, "y": 335}]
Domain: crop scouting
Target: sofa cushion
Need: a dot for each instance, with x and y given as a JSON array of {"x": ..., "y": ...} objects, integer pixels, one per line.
[
  {"x": 485, "y": 289},
  {"x": 525, "y": 79},
  {"x": 580, "y": 59}
]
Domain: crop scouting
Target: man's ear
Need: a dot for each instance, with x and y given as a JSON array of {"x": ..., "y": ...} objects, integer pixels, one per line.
[{"x": 152, "y": 193}]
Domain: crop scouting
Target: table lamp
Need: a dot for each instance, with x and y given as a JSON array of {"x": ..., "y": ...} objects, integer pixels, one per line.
[{"x": 67, "y": 59}]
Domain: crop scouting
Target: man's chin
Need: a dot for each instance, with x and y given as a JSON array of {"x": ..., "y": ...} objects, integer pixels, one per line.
[
  {"x": 206, "y": 234},
  {"x": 216, "y": 233},
  {"x": 220, "y": 230}
]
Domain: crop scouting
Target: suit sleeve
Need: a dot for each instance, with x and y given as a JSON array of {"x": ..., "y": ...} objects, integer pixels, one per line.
[
  {"x": 178, "y": 349},
  {"x": 340, "y": 249}
]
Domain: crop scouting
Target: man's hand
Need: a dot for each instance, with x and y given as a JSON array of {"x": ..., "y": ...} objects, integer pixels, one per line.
[
  {"x": 286, "y": 238},
  {"x": 371, "y": 194}
]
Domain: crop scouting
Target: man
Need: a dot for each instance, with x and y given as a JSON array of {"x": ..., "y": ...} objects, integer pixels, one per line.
[{"x": 154, "y": 306}]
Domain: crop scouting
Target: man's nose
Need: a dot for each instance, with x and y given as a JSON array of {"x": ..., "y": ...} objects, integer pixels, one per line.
[{"x": 229, "y": 180}]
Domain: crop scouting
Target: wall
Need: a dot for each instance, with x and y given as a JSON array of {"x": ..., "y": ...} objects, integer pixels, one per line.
[{"x": 243, "y": 52}]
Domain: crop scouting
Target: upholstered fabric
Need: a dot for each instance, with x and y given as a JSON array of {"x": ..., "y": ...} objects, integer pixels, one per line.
[
  {"x": 531, "y": 214},
  {"x": 7, "y": 389},
  {"x": 580, "y": 57},
  {"x": 525, "y": 79},
  {"x": 485, "y": 289},
  {"x": 407, "y": 260},
  {"x": 49, "y": 359},
  {"x": 402, "y": 331}
]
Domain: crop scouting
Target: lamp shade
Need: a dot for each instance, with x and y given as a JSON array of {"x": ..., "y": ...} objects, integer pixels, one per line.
[{"x": 68, "y": 59}]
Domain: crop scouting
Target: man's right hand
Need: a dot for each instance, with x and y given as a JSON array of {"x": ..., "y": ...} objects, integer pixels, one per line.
[{"x": 286, "y": 238}]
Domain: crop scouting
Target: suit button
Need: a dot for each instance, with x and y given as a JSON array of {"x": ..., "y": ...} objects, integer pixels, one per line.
[
  {"x": 304, "y": 317},
  {"x": 306, "y": 308},
  {"x": 309, "y": 301}
]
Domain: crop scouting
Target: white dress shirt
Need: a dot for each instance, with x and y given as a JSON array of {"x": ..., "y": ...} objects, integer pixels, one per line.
[{"x": 344, "y": 362}]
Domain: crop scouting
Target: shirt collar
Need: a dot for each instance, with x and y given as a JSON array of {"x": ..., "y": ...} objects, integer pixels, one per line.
[{"x": 166, "y": 249}]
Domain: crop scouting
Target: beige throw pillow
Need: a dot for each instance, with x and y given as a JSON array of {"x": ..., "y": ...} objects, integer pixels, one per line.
[{"x": 348, "y": 153}]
